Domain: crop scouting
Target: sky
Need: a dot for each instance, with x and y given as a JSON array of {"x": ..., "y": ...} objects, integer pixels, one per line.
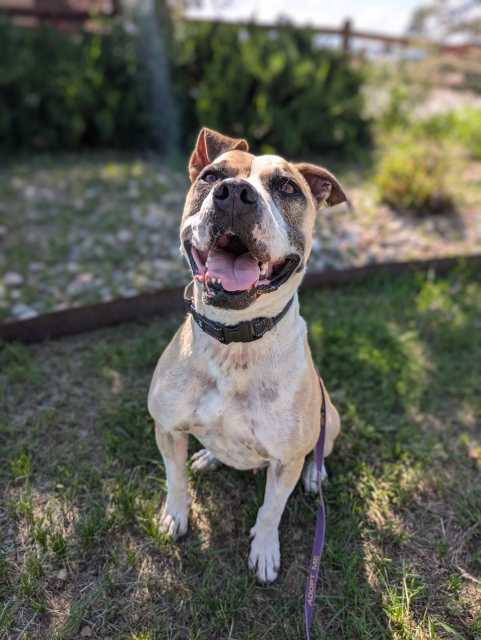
[{"x": 385, "y": 16}]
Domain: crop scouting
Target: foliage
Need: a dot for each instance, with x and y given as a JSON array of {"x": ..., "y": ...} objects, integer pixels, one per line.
[
  {"x": 443, "y": 18},
  {"x": 462, "y": 126},
  {"x": 413, "y": 175},
  {"x": 392, "y": 92},
  {"x": 60, "y": 91},
  {"x": 277, "y": 88}
]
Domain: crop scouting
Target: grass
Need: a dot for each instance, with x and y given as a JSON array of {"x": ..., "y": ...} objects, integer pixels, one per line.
[{"x": 82, "y": 481}]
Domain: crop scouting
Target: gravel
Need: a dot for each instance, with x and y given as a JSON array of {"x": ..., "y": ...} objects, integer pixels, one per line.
[{"x": 81, "y": 229}]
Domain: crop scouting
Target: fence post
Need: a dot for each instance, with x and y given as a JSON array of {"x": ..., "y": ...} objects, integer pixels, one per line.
[
  {"x": 346, "y": 30},
  {"x": 152, "y": 19}
]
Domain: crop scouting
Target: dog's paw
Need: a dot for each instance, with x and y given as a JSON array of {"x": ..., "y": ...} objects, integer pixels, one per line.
[
  {"x": 174, "y": 522},
  {"x": 204, "y": 460},
  {"x": 310, "y": 478},
  {"x": 265, "y": 555}
]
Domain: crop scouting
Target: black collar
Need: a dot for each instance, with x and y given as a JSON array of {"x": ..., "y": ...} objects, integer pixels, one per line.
[{"x": 246, "y": 331}]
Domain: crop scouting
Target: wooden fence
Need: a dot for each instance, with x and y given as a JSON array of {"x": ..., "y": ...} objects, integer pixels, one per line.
[
  {"x": 163, "y": 303},
  {"x": 77, "y": 14},
  {"x": 348, "y": 37},
  {"x": 66, "y": 15}
]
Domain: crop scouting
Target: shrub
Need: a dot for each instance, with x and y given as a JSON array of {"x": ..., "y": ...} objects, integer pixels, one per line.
[
  {"x": 276, "y": 87},
  {"x": 413, "y": 176},
  {"x": 468, "y": 129},
  {"x": 61, "y": 91},
  {"x": 393, "y": 92},
  {"x": 461, "y": 126}
]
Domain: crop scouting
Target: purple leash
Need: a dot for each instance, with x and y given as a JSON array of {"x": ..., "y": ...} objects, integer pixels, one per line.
[{"x": 320, "y": 532}]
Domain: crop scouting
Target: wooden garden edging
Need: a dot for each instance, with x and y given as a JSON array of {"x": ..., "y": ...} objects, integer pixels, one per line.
[{"x": 162, "y": 303}]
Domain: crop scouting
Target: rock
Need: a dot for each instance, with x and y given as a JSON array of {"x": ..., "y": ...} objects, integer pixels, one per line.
[
  {"x": 23, "y": 311},
  {"x": 30, "y": 192},
  {"x": 154, "y": 217},
  {"x": 105, "y": 293},
  {"x": 124, "y": 235},
  {"x": 72, "y": 267},
  {"x": 86, "y": 632},
  {"x": 173, "y": 201},
  {"x": 128, "y": 292},
  {"x": 62, "y": 574},
  {"x": 12, "y": 279},
  {"x": 82, "y": 282}
]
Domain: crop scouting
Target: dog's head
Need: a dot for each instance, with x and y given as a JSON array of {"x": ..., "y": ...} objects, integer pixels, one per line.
[{"x": 248, "y": 220}]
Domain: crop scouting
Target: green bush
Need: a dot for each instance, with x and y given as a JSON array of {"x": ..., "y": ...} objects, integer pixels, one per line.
[
  {"x": 64, "y": 91},
  {"x": 412, "y": 176},
  {"x": 275, "y": 87},
  {"x": 462, "y": 126}
]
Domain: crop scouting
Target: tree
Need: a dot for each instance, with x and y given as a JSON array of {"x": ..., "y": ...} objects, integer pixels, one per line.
[{"x": 445, "y": 19}]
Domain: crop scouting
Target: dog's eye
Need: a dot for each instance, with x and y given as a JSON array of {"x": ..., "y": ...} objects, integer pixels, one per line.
[
  {"x": 210, "y": 177},
  {"x": 288, "y": 187}
]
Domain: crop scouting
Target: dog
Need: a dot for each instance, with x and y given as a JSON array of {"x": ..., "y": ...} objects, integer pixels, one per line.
[{"x": 238, "y": 374}]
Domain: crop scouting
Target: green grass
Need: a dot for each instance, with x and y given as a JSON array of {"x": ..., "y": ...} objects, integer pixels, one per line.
[{"x": 82, "y": 483}]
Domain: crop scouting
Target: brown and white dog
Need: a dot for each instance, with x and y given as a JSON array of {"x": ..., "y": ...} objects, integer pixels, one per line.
[{"x": 246, "y": 231}]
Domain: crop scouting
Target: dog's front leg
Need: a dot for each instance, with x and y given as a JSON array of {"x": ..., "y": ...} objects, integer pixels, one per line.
[
  {"x": 265, "y": 557},
  {"x": 173, "y": 447}
]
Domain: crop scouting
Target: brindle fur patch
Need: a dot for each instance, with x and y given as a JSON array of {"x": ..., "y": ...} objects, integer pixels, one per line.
[
  {"x": 234, "y": 164},
  {"x": 195, "y": 197},
  {"x": 292, "y": 208},
  {"x": 206, "y": 383},
  {"x": 269, "y": 393},
  {"x": 278, "y": 469}
]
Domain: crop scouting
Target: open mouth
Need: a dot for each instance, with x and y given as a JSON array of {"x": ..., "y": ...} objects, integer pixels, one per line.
[{"x": 229, "y": 267}]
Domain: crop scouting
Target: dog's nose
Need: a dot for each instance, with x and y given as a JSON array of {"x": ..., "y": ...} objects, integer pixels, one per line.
[{"x": 235, "y": 194}]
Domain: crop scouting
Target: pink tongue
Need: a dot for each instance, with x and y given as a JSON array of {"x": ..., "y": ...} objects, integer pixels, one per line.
[{"x": 236, "y": 273}]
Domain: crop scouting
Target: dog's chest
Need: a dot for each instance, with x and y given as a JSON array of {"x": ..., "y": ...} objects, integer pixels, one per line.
[{"x": 236, "y": 415}]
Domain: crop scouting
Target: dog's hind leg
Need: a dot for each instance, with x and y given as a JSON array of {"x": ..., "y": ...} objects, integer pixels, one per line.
[
  {"x": 264, "y": 555},
  {"x": 204, "y": 460},
  {"x": 173, "y": 447},
  {"x": 310, "y": 478}
]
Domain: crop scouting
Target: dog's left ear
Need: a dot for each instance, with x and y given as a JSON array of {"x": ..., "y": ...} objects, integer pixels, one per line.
[
  {"x": 209, "y": 145},
  {"x": 325, "y": 187}
]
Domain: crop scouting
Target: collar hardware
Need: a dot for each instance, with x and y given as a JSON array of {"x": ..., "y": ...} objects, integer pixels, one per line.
[{"x": 246, "y": 331}]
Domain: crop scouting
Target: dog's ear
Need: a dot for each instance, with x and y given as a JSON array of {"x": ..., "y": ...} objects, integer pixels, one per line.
[
  {"x": 209, "y": 145},
  {"x": 325, "y": 187}
]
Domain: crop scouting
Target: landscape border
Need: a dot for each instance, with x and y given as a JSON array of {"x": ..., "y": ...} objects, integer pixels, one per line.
[{"x": 92, "y": 317}]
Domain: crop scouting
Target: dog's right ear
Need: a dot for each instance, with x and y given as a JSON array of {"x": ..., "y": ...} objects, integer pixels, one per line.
[{"x": 209, "y": 145}]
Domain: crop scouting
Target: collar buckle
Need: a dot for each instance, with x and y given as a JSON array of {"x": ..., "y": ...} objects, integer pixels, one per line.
[
  {"x": 241, "y": 332},
  {"x": 262, "y": 326}
]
